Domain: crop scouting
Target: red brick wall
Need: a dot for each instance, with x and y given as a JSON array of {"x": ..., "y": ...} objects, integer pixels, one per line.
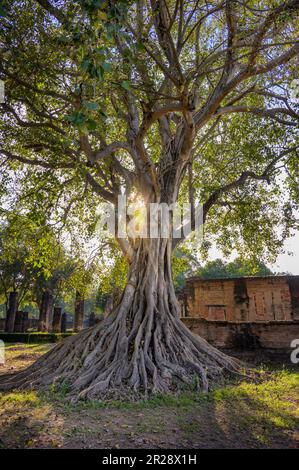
[
  {"x": 270, "y": 336},
  {"x": 251, "y": 299}
]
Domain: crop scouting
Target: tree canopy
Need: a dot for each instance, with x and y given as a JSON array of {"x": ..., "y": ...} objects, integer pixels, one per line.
[
  {"x": 163, "y": 101},
  {"x": 102, "y": 96}
]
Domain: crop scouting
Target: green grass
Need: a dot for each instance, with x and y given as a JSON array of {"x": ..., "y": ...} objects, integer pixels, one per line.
[
  {"x": 274, "y": 391},
  {"x": 258, "y": 412},
  {"x": 15, "y": 348},
  {"x": 20, "y": 399}
]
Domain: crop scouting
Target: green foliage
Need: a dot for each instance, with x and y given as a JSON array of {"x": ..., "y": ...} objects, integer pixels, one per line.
[
  {"x": 112, "y": 275},
  {"x": 33, "y": 259},
  {"x": 237, "y": 268},
  {"x": 26, "y": 253},
  {"x": 183, "y": 265}
]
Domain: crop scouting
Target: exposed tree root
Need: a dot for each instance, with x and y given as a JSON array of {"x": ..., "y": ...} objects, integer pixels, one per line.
[
  {"x": 104, "y": 362},
  {"x": 141, "y": 348}
]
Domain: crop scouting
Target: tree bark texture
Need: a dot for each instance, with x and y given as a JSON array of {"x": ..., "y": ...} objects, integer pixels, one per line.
[{"x": 63, "y": 323}]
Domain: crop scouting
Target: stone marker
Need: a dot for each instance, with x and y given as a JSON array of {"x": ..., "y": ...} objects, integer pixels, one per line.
[
  {"x": 92, "y": 319},
  {"x": 11, "y": 312},
  {"x": 56, "y": 324},
  {"x": 79, "y": 312},
  {"x": 18, "y": 322},
  {"x": 63, "y": 323},
  {"x": 25, "y": 322}
]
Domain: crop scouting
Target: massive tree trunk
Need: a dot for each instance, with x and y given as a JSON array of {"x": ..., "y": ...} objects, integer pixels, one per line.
[{"x": 142, "y": 347}]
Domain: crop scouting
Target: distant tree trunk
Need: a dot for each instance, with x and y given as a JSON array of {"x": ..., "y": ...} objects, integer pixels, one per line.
[
  {"x": 11, "y": 312},
  {"x": 56, "y": 324},
  {"x": 63, "y": 323},
  {"x": 92, "y": 319},
  {"x": 79, "y": 312},
  {"x": 108, "y": 306},
  {"x": 25, "y": 322},
  {"x": 18, "y": 322},
  {"x": 45, "y": 311}
]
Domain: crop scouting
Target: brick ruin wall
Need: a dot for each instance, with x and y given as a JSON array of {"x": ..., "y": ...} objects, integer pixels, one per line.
[
  {"x": 244, "y": 313},
  {"x": 244, "y": 299},
  {"x": 270, "y": 336}
]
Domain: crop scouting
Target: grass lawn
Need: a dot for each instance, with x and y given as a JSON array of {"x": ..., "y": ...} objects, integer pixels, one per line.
[{"x": 236, "y": 416}]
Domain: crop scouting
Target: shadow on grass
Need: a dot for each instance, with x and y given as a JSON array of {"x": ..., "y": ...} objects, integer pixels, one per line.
[{"x": 242, "y": 415}]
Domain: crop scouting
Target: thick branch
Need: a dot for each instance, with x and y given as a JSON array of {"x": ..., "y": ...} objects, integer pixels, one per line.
[
  {"x": 109, "y": 149},
  {"x": 272, "y": 113},
  {"x": 245, "y": 175},
  {"x": 239, "y": 182},
  {"x": 98, "y": 189},
  {"x": 56, "y": 12},
  {"x": 35, "y": 162}
]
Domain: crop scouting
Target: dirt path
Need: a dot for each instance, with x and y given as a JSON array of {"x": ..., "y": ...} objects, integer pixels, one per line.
[{"x": 244, "y": 415}]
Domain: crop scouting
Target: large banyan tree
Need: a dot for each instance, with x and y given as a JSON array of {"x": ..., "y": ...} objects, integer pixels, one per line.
[{"x": 163, "y": 100}]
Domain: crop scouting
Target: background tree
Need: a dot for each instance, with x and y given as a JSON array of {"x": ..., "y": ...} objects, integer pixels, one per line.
[
  {"x": 36, "y": 268},
  {"x": 24, "y": 254},
  {"x": 237, "y": 268},
  {"x": 164, "y": 100}
]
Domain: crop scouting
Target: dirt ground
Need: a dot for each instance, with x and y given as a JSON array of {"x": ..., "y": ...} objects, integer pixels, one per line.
[{"x": 243, "y": 415}]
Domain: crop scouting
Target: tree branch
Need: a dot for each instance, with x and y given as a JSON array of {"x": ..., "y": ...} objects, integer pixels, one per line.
[
  {"x": 35, "y": 162},
  {"x": 240, "y": 181},
  {"x": 56, "y": 12},
  {"x": 272, "y": 113},
  {"x": 245, "y": 175}
]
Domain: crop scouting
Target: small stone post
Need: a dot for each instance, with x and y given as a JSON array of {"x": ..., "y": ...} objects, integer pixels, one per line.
[
  {"x": 63, "y": 323},
  {"x": 11, "y": 312},
  {"x": 92, "y": 319},
  {"x": 25, "y": 322},
  {"x": 18, "y": 322},
  {"x": 79, "y": 312},
  {"x": 56, "y": 324}
]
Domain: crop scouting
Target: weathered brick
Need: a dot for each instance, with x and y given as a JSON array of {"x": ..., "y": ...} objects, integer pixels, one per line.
[{"x": 248, "y": 299}]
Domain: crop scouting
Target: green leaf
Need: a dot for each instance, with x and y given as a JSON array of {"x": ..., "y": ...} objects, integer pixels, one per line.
[
  {"x": 3, "y": 11},
  {"x": 90, "y": 105},
  {"x": 125, "y": 84},
  {"x": 102, "y": 15},
  {"x": 85, "y": 64},
  {"x": 91, "y": 125},
  {"x": 102, "y": 114},
  {"x": 140, "y": 46},
  {"x": 106, "y": 67},
  {"x": 76, "y": 118},
  {"x": 69, "y": 117}
]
